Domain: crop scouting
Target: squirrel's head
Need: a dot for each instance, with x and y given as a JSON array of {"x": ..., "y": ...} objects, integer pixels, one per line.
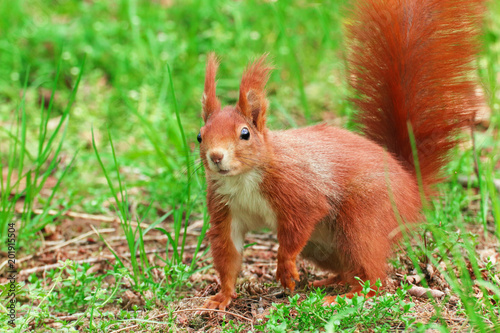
[{"x": 232, "y": 139}]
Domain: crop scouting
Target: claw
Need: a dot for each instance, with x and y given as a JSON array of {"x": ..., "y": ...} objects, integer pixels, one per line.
[
  {"x": 220, "y": 301},
  {"x": 327, "y": 282},
  {"x": 286, "y": 273},
  {"x": 329, "y": 300}
]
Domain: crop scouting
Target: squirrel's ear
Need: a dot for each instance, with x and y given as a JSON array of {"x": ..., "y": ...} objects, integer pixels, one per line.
[
  {"x": 252, "y": 101},
  {"x": 209, "y": 101}
]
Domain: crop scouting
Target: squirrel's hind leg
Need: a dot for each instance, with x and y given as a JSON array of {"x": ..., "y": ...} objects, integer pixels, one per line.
[
  {"x": 356, "y": 290},
  {"x": 362, "y": 245},
  {"x": 331, "y": 280}
]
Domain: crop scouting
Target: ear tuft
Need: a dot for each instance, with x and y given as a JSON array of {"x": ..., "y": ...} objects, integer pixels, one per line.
[
  {"x": 209, "y": 101},
  {"x": 252, "y": 100}
]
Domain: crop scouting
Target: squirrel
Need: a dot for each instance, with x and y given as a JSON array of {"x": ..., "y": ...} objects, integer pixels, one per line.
[{"x": 338, "y": 198}]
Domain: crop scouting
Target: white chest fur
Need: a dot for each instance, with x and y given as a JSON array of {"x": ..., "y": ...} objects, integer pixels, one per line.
[{"x": 249, "y": 208}]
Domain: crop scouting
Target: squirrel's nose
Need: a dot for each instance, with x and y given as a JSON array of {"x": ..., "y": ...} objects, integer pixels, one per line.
[{"x": 216, "y": 157}]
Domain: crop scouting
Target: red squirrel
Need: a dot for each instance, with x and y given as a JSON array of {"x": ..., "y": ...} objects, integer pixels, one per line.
[{"x": 331, "y": 195}]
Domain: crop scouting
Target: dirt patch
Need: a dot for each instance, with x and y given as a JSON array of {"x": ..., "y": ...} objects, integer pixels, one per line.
[{"x": 78, "y": 238}]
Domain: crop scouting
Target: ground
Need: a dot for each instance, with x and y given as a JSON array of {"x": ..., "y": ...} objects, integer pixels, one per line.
[
  {"x": 102, "y": 194},
  {"x": 78, "y": 238}
]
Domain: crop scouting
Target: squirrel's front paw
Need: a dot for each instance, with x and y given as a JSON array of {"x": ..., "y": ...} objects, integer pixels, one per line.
[
  {"x": 286, "y": 273},
  {"x": 219, "y": 301}
]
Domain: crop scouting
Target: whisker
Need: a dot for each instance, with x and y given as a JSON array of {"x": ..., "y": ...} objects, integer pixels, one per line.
[
  {"x": 193, "y": 164},
  {"x": 196, "y": 170}
]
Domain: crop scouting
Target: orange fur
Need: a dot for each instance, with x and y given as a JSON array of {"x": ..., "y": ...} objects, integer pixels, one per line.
[
  {"x": 210, "y": 101},
  {"x": 252, "y": 101},
  {"x": 226, "y": 259},
  {"x": 329, "y": 194},
  {"x": 413, "y": 61}
]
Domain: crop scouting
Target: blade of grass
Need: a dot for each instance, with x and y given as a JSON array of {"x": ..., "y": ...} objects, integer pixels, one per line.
[
  {"x": 181, "y": 129},
  {"x": 494, "y": 195},
  {"x": 153, "y": 138},
  {"x": 279, "y": 10}
]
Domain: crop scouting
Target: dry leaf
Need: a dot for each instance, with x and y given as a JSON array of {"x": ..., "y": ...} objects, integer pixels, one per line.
[
  {"x": 423, "y": 292},
  {"x": 430, "y": 271},
  {"x": 489, "y": 255},
  {"x": 414, "y": 279}
]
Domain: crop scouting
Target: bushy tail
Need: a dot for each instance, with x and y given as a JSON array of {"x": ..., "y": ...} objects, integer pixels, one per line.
[{"x": 414, "y": 60}]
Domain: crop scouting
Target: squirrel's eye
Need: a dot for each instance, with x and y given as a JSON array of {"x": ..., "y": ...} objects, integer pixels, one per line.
[
  {"x": 245, "y": 134},
  {"x": 199, "y": 137}
]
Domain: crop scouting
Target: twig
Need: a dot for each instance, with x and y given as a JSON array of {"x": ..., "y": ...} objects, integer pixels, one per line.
[
  {"x": 279, "y": 293},
  {"x": 153, "y": 238},
  {"x": 52, "y": 266},
  {"x": 144, "y": 238},
  {"x": 65, "y": 318},
  {"x": 58, "y": 246},
  {"x": 73, "y": 317},
  {"x": 186, "y": 310},
  {"x": 76, "y": 239},
  {"x": 137, "y": 325},
  {"x": 215, "y": 310},
  {"x": 83, "y": 216},
  {"x": 261, "y": 263},
  {"x": 89, "y": 260}
]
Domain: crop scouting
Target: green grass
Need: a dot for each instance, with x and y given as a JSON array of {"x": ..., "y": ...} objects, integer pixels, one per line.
[
  {"x": 346, "y": 315},
  {"x": 102, "y": 98}
]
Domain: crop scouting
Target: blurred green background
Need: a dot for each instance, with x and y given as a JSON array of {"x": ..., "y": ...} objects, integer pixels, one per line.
[{"x": 126, "y": 47}]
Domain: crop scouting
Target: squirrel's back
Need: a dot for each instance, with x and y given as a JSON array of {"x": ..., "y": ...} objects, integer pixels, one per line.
[{"x": 335, "y": 162}]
